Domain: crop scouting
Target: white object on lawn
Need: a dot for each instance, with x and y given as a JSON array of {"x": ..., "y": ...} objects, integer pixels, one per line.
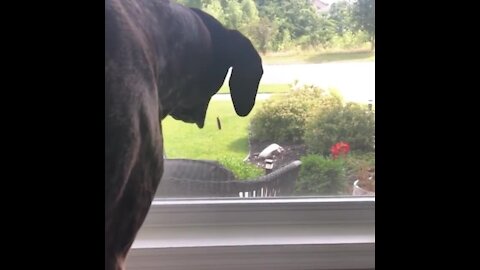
[{"x": 269, "y": 150}]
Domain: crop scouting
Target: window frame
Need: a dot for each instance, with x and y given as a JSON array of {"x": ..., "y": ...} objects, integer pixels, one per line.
[{"x": 258, "y": 233}]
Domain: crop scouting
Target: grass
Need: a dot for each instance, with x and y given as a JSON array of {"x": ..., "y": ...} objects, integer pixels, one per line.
[
  {"x": 183, "y": 140},
  {"x": 263, "y": 88},
  {"x": 240, "y": 169},
  {"x": 315, "y": 57}
]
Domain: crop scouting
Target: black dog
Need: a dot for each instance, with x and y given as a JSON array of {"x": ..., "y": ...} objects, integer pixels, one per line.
[{"x": 161, "y": 59}]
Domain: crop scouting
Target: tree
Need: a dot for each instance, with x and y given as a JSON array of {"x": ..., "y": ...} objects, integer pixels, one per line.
[
  {"x": 262, "y": 34},
  {"x": 214, "y": 8},
  {"x": 297, "y": 20},
  {"x": 364, "y": 18},
  {"x": 233, "y": 14},
  {"x": 250, "y": 13},
  {"x": 322, "y": 33},
  {"x": 340, "y": 14},
  {"x": 276, "y": 24},
  {"x": 239, "y": 14}
]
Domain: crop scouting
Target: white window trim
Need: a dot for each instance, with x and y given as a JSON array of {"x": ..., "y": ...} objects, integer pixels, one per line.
[{"x": 275, "y": 233}]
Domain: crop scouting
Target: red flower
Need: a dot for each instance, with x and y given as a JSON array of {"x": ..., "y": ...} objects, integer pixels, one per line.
[{"x": 340, "y": 148}]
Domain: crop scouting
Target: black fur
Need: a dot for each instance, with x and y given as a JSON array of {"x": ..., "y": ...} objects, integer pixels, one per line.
[{"x": 161, "y": 58}]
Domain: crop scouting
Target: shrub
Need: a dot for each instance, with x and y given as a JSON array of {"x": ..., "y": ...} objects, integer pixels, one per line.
[
  {"x": 321, "y": 176},
  {"x": 355, "y": 162},
  {"x": 352, "y": 123},
  {"x": 283, "y": 118},
  {"x": 350, "y": 40},
  {"x": 241, "y": 169}
]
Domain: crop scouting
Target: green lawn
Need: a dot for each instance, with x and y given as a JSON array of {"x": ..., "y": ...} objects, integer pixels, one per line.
[
  {"x": 313, "y": 57},
  {"x": 263, "y": 88},
  {"x": 182, "y": 140}
]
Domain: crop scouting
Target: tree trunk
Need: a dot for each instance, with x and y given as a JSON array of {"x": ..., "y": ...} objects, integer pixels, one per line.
[{"x": 372, "y": 42}]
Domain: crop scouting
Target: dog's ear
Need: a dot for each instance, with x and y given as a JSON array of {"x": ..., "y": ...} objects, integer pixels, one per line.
[
  {"x": 246, "y": 72},
  {"x": 232, "y": 49}
]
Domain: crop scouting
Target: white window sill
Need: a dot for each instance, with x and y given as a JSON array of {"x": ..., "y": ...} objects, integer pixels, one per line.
[{"x": 288, "y": 233}]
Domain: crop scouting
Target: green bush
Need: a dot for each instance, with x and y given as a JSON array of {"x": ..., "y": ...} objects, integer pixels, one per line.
[
  {"x": 352, "y": 123},
  {"x": 321, "y": 176},
  {"x": 241, "y": 169},
  {"x": 354, "y": 162},
  {"x": 350, "y": 40},
  {"x": 283, "y": 118}
]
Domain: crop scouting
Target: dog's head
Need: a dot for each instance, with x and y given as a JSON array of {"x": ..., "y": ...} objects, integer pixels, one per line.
[{"x": 229, "y": 48}]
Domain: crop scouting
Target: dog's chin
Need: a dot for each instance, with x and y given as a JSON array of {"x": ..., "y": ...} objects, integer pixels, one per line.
[{"x": 200, "y": 122}]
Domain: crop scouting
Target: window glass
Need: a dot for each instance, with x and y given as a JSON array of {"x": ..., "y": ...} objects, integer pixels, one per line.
[{"x": 312, "y": 129}]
